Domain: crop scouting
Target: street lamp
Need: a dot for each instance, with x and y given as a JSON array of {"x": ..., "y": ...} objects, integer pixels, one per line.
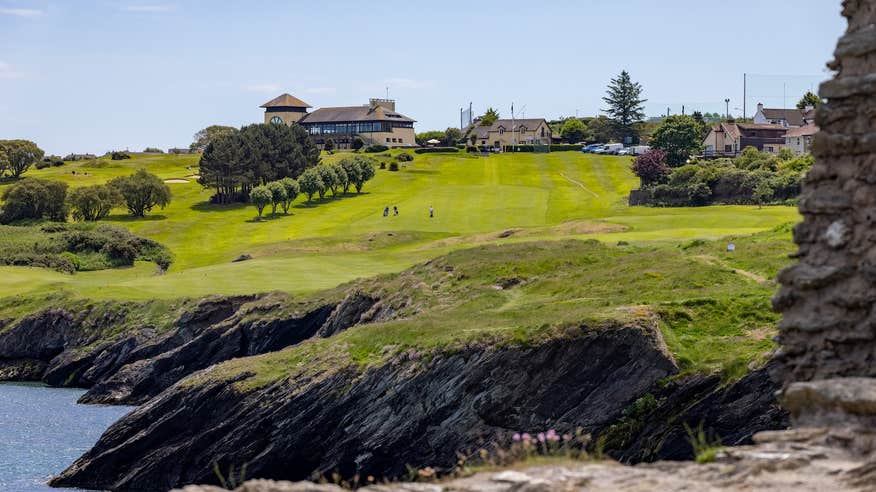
[{"x": 727, "y": 102}]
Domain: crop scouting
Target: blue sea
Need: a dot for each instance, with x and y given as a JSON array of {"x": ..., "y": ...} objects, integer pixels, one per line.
[{"x": 43, "y": 430}]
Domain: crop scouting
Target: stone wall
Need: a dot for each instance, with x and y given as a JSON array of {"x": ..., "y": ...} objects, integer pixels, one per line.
[{"x": 828, "y": 328}]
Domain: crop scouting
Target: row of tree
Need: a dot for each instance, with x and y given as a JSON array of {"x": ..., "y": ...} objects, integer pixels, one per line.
[
  {"x": 42, "y": 199},
  {"x": 339, "y": 177},
  {"x": 235, "y": 162}
]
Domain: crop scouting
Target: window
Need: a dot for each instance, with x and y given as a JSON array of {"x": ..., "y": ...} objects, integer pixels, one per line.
[
  {"x": 501, "y": 130},
  {"x": 393, "y": 141},
  {"x": 401, "y": 141},
  {"x": 542, "y": 131},
  {"x": 387, "y": 139},
  {"x": 769, "y": 149},
  {"x": 522, "y": 129},
  {"x": 728, "y": 148},
  {"x": 276, "y": 120}
]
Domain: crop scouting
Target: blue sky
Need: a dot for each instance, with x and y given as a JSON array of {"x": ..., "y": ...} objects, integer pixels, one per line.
[{"x": 82, "y": 76}]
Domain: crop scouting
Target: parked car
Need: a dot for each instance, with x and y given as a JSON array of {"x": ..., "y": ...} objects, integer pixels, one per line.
[
  {"x": 639, "y": 149},
  {"x": 626, "y": 151},
  {"x": 613, "y": 148},
  {"x": 591, "y": 147}
]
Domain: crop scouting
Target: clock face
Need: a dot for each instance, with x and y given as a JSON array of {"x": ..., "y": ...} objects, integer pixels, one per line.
[{"x": 277, "y": 119}]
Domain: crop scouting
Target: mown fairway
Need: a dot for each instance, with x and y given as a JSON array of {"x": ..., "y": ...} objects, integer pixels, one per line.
[{"x": 521, "y": 197}]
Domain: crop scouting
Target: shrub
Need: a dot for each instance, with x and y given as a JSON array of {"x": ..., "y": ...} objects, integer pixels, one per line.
[
  {"x": 366, "y": 167},
  {"x": 428, "y": 150},
  {"x": 565, "y": 147},
  {"x": 358, "y": 143},
  {"x": 374, "y": 149},
  {"x": 310, "y": 183},
  {"x": 405, "y": 157},
  {"x": 57, "y": 163},
  {"x": 90, "y": 203},
  {"x": 261, "y": 197},
  {"x": 142, "y": 192},
  {"x": 33, "y": 198},
  {"x": 393, "y": 166},
  {"x": 329, "y": 145},
  {"x": 382, "y": 165},
  {"x": 119, "y": 155},
  {"x": 292, "y": 190},
  {"x": 651, "y": 167},
  {"x": 471, "y": 148},
  {"x": 42, "y": 164},
  {"x": 278, "y": 195},
  {"x": 152, "y": 150}
]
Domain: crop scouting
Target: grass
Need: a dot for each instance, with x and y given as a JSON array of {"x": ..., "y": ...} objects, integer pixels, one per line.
[
  {"x": 537, "y": 196},
  {"x": 708, "y": 313}
]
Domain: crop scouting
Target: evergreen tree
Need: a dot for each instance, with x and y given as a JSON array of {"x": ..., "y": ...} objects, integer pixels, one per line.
[
  {"x": 809, "y": 99},
  {"x": 624, "y": 99}
]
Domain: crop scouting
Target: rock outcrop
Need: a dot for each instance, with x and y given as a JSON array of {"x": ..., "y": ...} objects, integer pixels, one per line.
[
  {"x": 416, "y": 409},
  {"x": 84, "y": 347}
]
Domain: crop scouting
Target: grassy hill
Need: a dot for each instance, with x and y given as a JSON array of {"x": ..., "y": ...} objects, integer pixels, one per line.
[{"x": 498, "y": 199}]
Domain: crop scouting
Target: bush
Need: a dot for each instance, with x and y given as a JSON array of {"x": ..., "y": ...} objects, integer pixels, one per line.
[
  {"x": 428, "y": 150},
  {"x": 57, "y": 163},
  {"x": 382, "y": 165},
  {"x": 374, "y": 149},
  {"x": 90, "y": 203},
  {"x": 519, "y": 148},
  {"x": 142, "y": 192},
  {"x": 471, "y": 148},
  {"x": 119, "y": 155},
  {"x": 33, "y": 198},
  {"x": 565, "y": 147},
  {"x": 405, "y": 157},
  {"x": 393, "y": 166},
  {"x": 152, "y": 150},
  {"x": 42, "y": 164},
  {"x": 358, "y": 143}
]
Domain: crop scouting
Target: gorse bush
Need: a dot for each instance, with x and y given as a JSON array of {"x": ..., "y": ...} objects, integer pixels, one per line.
[
  {"x": 753, "y": 178},
  {"x": 77, "y": 247},
  {"x": 33, "y": 198},
  {"x": 405, "y": 157}
]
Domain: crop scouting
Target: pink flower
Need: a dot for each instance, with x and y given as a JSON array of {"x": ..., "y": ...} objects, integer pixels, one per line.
[
  {"x": 526, "y": 436},
  {"x": 541, "y": 437},
  {"x": 516, "y": 437},
  {"x": 552, "y": 435},
  {"x": 567, "y": 437}
]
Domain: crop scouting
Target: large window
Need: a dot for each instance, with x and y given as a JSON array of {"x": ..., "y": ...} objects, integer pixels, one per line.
[
  {"x": 276, "y": 120},
  {"x": 352, "y": 128}
]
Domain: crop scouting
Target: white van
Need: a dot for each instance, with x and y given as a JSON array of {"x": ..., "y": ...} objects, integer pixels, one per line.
[
  {"x": 612, "y": 148},
  {"x": 639, "y": 149}
]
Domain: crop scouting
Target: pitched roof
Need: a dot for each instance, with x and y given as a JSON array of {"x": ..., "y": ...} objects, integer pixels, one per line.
[
  {"x": 354, "y": 113},
  {"x": 755, "y": 126},
  {"x": 803, "y": 131},
  {"x": 286, "y": 101},
  {"x": 792, "y": 116},
  {"x": 508, "y": 125}
]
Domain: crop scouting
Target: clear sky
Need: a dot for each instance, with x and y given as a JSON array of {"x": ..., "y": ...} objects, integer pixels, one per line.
[{"x": 91, "y": 76}]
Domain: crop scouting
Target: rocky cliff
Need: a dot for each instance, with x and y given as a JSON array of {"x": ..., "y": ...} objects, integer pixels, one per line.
[{"x": 414, "y": 409}]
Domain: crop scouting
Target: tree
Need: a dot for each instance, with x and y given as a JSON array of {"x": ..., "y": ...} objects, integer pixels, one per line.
[
  {"x": 679, "y": 136},
  {"x": 573, "y": 130},
  {"x": 19, "y": 155},
  {"x": 329, "y": 180},
  {"x": 33, "y": 198},
  {"x": 292, "y": 190},
  {"x": 451, "y": 136},
  {"x": 651, "y": 167},
  {"x": 4, "y": 161},
  {"x": 236, "y": 162},
  {"x": 423, "y": 137},
  {"x": 625, "y": 104},
  {"x": 278, "y": 195},
  {"x": 366, "y": 172},
  {"x": 142, "y": 192},
  {"x": 311, "y": 183},
  {"x": 329, "y": 145},
  {"x": 91, "y": 203},
  {"x": 810, "y": 99},
  {"x": 358, "y": 143},
  {"x": 343, "y": 180},
  {"x": 208, "y": 135},
  {"x": 598, "y": 129},
  {"x": 763, "y": 192},
  {"x": 489, "y": 117},
  {"x": 261, "y": 197},
  {"x": 353, "y": 171}
]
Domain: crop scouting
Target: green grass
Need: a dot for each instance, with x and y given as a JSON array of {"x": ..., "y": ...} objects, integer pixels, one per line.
[
  {"x": 538, "y": 196},
  {"x": 712, "y": 318}
]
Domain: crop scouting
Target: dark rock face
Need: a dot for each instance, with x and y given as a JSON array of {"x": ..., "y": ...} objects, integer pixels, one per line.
[
  {"x": 405, "y": 411},
  {"x": 71, "y": 349},
  {"x": 731, "y": 414},
  {"x": 827, "y": 298}
]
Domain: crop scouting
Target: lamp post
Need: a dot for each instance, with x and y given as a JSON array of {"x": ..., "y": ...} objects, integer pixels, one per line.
[{"x": 727, "y": 102}]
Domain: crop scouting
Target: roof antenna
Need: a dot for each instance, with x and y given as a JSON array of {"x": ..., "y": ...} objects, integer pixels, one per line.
[{"x": 387, "y": 92}]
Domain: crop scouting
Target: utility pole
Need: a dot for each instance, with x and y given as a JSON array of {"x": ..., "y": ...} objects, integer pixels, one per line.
[
  {"x": 744, "y": 93},
  {"x": 727, "y": 102},
  {"x": 682, "y": 109}
]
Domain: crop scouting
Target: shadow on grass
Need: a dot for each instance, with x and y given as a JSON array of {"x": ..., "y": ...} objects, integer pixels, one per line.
[
  {"x": 328, "y": 199},
  {"x": 216, "y": 207},
  {"x": 422, "y": 171},
  {"x": 267, "y": 217},
  {"x": 131, "y": 218}
]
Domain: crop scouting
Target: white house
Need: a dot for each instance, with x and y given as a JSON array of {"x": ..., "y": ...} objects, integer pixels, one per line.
[
  {"x": 789, "y": 118},
  {"x": 800, "y": 139}
]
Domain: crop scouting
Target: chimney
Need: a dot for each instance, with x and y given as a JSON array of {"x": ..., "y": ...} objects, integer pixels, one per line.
[
  {"x": 759, "y": 107},
  {"x": 383, "y": 103}
]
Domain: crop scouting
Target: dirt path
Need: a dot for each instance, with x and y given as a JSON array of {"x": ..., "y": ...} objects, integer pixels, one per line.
[
  {"x": 713, "y": 261},
  {"x": 588, "y": 190}
]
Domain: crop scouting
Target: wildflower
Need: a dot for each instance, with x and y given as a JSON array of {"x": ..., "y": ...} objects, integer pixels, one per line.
[
  {"x": 567, "y": 437},
  {"x": 526, "y": 437},
  {"x": 516, "y": 437},
  {"x": 483, "y": 452},
  {"x": 552, "y": 435},
  {"x": 541, "y": 437}
]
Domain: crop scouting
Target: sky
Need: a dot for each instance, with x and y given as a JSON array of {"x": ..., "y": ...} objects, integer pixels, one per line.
[{"x": 92, "y": 76}]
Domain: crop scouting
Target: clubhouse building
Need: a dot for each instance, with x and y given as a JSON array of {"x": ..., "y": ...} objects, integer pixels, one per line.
[{"x": 377, "y": 123}]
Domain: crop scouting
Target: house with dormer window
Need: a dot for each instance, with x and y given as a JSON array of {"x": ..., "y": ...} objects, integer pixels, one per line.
[{"x": 504, "y": 133}]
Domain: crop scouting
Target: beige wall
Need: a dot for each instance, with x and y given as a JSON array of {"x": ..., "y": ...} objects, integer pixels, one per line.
[
  {"x": 404, "y": 137},
  {"x": 718, "y": 140},
  {"x": 798, "y": 145},
  {"x": 530, "y": 136},
  {"x": 288, "y": 117}
]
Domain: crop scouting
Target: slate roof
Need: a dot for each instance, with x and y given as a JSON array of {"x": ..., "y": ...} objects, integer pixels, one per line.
[
  {"x": 508, "y": 124},
  {"x": 286, "y": 101},
  {"x": 354, "y": 113},
  {"x": 803, "y": 131},
  {"x": 794, "y": 117}
]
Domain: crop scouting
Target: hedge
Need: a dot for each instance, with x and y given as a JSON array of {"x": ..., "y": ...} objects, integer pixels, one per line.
[
  {"x": 426, "y": 150},
  {"x": 373, "y": 149},
  {"x": 531, "y": 148}
]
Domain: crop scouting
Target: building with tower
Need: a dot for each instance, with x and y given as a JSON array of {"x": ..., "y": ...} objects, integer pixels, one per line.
[{"x": 377, "y": 123}]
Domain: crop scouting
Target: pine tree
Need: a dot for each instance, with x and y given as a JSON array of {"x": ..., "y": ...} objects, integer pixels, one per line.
[
  {"x": 624, "y": 99},
  {"x": 809, "y": 99}
]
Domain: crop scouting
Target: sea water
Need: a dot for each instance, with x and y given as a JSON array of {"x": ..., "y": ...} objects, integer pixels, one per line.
[{"x": 43, "y": 430}]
